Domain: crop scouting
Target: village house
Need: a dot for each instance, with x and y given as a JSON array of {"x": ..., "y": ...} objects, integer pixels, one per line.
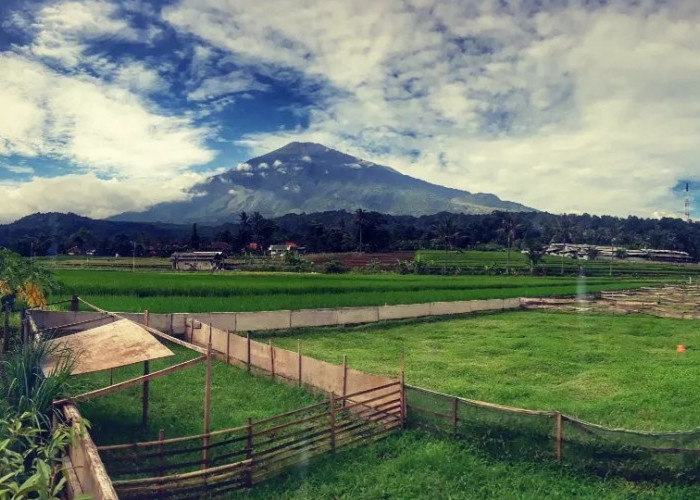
[{"x": 288, "y": 247}]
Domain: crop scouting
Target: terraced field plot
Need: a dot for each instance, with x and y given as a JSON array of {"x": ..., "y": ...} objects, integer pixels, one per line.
[{"x": 476, "y": 262}]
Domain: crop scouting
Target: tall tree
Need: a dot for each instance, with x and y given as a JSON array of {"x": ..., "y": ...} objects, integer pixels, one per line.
[
  {"x": 194, "y": 238},
  {"x": 508, "y": 229}
]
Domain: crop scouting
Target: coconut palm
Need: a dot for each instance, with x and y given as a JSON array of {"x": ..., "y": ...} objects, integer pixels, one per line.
[{"x": 446, "y": 232}]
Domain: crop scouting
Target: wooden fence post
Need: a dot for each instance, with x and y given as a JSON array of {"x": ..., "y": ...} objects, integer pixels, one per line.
[
  {"x": 345, "y": 377},
  {"x": 331, "y": 419},
  {"x": 248, "y": 479},
  {"x": 558, "y": 436},
  {"x": 228, "y": 346},
  {"x": 247, "y": 336},
  {"x": 455, "y": 418},
  {"x": 207, "y": 406},
  {"x": 272, "y": 360},
  {"x": 161, "y": 436},
  {"x": 299, "y": 358},
  {"x": 402, "y": 390},
  {"x": 145, "y": 393},
  {"x": 74, "y": 305}
]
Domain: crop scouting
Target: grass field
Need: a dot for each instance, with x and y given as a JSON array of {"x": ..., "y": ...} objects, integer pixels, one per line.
[
  {"x": 203, "y": 292},
  {"x": 614, "y": 370},
  {"x": 416, "y": 465},
  {"x": 479, "y": 262}
]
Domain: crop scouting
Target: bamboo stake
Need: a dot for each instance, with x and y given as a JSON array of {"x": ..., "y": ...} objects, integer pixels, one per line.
[
  {"x": 272, "y": 360},
  {"x": 228, "y": 347},
  {"x": 145, "y": 394},
  {"x": 331, "y": 420},
  {"x": 111, "y": 376},
  {"x": 249, "y": 452},
  {"x": 402, "y": 381},
  {"x": 161, "y": 436},
  {"x": 345, "y": 377},
  {"x": 558, "y": 437},
  {"x": 207, "y": 406},
  {"x": 247, "y": 336},
  {"x": 455, "y": 406},
  {"x": 299, "y": 357}
]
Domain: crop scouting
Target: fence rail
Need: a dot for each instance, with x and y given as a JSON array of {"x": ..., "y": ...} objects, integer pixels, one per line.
[
  {"x": 547, "y": 435},
  {"x": 240, "y": 457}
]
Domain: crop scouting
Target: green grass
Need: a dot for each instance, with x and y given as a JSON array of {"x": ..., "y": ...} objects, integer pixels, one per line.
[
  {"x": 419, "y": 466},
  {"x": 480, "y": 262},
  {"x": 613, "y": 370},
  {"x": 202, "y": 292},
  {"x": 177, "y": 400}
]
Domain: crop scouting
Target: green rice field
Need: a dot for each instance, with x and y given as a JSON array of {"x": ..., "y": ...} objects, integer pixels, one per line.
[{"x": 204, "y": 292}]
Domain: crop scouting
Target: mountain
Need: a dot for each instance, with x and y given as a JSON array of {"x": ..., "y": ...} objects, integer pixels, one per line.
[{"x": 307, "y": 177}]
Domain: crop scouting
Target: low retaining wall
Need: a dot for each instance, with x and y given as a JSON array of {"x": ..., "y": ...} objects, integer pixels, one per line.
[
  {"x": 174, "y": 323},
  {"x": 85, "y": 472}
]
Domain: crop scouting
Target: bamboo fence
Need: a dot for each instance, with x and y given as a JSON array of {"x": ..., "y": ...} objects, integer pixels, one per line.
[{"x": 240, "y": 457}]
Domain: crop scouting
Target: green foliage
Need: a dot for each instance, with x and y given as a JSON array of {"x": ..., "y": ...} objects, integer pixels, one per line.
[
  {"x": 17, "y": 271},
  {"x": 30, "y": 457},
  {"x": 28, "y": 390},
  {"x": 335, "y": 267}
]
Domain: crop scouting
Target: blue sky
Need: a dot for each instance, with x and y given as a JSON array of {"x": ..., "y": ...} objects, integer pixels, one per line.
[{"x": 561, "y": 105}]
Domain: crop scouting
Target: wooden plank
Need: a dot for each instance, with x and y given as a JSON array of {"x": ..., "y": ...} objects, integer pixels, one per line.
[
  {"x": 299, "y": 355},
  {"x": 129, "y": 383},
  {"x": 345, "y": 378},
  {"x": 176, "y": 477}
]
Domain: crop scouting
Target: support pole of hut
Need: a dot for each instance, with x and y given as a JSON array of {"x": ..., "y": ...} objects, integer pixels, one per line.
[
  {"x": 207, "y": 406},
  {"x": 74, "y": 305},
  {"x": 145, "y": 393}
]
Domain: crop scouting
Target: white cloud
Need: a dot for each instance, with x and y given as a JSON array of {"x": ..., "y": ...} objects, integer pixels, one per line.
[
  {"x": 277, "y": 163},
  {"x": 99, "y": 127},
  {"x": 567, "y": 109},
  {"x": 232, "y": 83},
  {"x": 16, "y": 169},
  {"x": 64, "y": 29},
  {"x": 243, "y": 167},
  {"x": 90, "y": 195}
]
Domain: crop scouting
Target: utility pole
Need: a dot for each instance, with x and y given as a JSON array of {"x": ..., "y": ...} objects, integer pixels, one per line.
[{"x": 133, "y": 258}]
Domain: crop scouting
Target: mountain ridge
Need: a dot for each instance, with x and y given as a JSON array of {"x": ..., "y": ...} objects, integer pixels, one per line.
[{"x": 306, "y": 177}]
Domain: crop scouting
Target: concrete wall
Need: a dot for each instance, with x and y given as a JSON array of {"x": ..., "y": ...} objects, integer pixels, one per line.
[{"x": 175, "y": 323}]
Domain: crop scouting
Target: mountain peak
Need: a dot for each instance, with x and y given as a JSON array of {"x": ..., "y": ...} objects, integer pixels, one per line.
[{"x": 310, "y": 177}]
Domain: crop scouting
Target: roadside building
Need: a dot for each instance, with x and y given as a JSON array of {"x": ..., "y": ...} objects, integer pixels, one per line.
[{"x": 197, "y": 261}]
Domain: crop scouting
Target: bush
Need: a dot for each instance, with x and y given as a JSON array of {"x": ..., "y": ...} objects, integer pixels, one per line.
[{"x": 335, "y": 267}]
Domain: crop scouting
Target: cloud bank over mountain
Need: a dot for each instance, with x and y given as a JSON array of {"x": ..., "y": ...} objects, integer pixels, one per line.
[{"x": 567, "y": 107}]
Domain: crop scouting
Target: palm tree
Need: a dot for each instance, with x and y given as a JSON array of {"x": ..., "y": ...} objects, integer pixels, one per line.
[
  {"x": 446, "y": 234},
  {"x": 508, "y": 228},
  {"x": 361, "y": 221},
  {"x": 564, "y": 232}
]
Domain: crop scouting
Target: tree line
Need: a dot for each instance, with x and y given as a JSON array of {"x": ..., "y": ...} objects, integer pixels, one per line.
[{"x": 365, "y": 231}]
